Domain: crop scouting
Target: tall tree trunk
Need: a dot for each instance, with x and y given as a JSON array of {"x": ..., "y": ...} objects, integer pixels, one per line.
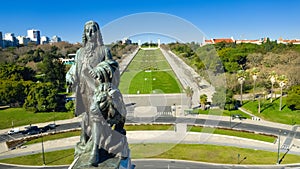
[
  {"x": 241, "y": 94},
  {"x": 272, "y": 93},
  {"x": 280, "y": 104},
  {"x": 258, "y": 105},
  {"x": 254, "y": 91}
]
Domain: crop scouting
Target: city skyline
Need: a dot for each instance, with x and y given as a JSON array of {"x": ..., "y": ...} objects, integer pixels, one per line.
[{"x": 216, "y": 19}]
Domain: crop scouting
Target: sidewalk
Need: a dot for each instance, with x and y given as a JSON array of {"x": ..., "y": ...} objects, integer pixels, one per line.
[{"x": 142, "y": 137}]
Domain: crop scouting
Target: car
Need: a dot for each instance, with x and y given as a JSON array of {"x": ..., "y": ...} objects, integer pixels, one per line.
[
  {"x": 30, "y": 130},
  {"x": 13, "y": 131},
  {"x": 238, "y": 116},
  {"x": 52, "y": 125},
  {"x": 48, "y": 127}
]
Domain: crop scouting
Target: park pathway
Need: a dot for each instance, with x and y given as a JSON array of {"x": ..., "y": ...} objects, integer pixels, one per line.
[{"x": 188, "y": 77}]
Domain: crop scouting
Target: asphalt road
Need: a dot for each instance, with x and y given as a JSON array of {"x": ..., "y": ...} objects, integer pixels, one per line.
[
  {"x": 6, "y": 137},
  {"x": 167, "y": 164},
  {"x": 236, "y": 124}
]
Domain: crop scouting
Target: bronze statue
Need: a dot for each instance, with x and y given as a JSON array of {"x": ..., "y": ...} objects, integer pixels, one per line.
[{"x": 95, "y": 77}]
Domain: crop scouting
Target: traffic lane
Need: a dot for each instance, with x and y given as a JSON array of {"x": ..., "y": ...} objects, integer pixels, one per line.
[
  {"x": 61, "y": 127},
  {"x": 161, "y": 164},
  {"x": 164, "y": 164},
  {"x": 238, "y": 125},
  {"x": 235, "y": 125}
]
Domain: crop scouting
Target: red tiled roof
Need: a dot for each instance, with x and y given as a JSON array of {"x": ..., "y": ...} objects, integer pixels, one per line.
[
  {"x": 208, "y": 41},
  {"x": 223, "y": 40}
]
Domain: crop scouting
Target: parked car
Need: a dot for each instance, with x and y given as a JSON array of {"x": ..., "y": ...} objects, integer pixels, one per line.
[
  {"x": 48, "y": 127},
  {"x": 238, "y": 116},
  {"x": 13, "y": 131},
  {"x": 52, "y": 125},
  {"x": 30, "y": 130}
]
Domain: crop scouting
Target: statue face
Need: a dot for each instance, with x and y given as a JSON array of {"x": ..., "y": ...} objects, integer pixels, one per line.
[{"x": 91, "y": 32}]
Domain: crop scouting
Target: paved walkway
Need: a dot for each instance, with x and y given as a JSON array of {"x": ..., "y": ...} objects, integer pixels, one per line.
[
  {"x": 188, "y": 77},
  {"x": 142, "y": 137}
]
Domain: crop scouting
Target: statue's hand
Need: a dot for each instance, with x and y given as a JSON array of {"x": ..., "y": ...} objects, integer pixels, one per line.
[{"x": 93, "y": 74}]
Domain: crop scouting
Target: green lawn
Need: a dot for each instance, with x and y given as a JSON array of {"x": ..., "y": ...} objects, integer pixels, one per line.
[
  {"x": 194, "y": 152},
  {"x": 149, "y": 127},
  {"x": 235, "y": 133},
  {"x": 220, "y": 112},
  {"x": 149, "y": 72},
  {"x": 77, "y": 133},
  {"x": 154, "y": 82},
  {"x": 54, "y": 137},
  {"x": 20, "y": 117},
  {"x": 216, "y": 154},
  {"x": 270, "y": 111}
]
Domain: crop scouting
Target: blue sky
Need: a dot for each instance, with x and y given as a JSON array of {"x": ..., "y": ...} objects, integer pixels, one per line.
[{"x": 242, "y": 19}]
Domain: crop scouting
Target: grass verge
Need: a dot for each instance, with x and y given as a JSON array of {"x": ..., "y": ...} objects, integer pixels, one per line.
[
  {"x": 270, "y": 111},
  {"x": 228, "y": 132},
  {"x": 194, "y": 152},
  {"x": 21, "y": 117}
]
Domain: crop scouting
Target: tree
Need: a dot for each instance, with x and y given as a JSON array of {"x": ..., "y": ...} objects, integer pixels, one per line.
[
  {"x": 272, "y": 78},
  {"x": 282, "y": 81},
  {"x": 241, "y": 75},
  {"x": 189, "y": 93},
  {"x": 42, "y": 97},
  {"x": 293, "y": 98},
  {"x": 254, "y": 73},
  {"x": 203, "y": 101},
  {"x": 54, "y": 71}
]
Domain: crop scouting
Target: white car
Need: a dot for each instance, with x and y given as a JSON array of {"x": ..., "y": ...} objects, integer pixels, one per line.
[{"x": 13, "y": 131}]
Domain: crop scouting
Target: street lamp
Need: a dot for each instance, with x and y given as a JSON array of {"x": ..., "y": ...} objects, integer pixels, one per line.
[
  {"x": 278, "y": 148},
  {"x": 43, "y": 151}
]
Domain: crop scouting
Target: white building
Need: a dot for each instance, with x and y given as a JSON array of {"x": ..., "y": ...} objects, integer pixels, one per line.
[
  {"x": 45, "y": 40},
  {"x": 10, "y": 40},
  {"x": 22, "y": 40},
  {"x": 126, "y": 41},
  {"x": 55, "y": 39},
  {"x": 34, "y": 35}
]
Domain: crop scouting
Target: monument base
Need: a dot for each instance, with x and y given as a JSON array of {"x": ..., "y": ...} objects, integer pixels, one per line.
[{"x": 109, "y": 163}]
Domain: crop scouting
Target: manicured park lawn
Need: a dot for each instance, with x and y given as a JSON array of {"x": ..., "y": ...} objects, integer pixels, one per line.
[
  {"x": 194, "y": 152},
  {"x": 220, "y": 112},
  {"x": 154, "y": 82},
  {"x": 149, "y": 72},
  {"x": 235, "y": 133},
  {"x": 20, "y": 117},
  {"x": 270, "y": 111}
]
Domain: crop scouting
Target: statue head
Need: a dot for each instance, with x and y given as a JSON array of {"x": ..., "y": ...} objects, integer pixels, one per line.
[{"x": 92, "y": 33}]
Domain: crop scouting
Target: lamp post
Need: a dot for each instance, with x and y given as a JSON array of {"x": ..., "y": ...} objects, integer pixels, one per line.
[
  {"x": 43, "y": 152},
  {"x": 278, "y": 148}
]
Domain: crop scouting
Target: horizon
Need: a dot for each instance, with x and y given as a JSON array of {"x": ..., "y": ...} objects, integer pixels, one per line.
[{"x": 241, "y": 20}]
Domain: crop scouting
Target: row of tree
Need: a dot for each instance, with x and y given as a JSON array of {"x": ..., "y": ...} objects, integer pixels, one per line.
[
  {"x": 246, "y": 67},
  {"x": 32, "y": 76}
]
